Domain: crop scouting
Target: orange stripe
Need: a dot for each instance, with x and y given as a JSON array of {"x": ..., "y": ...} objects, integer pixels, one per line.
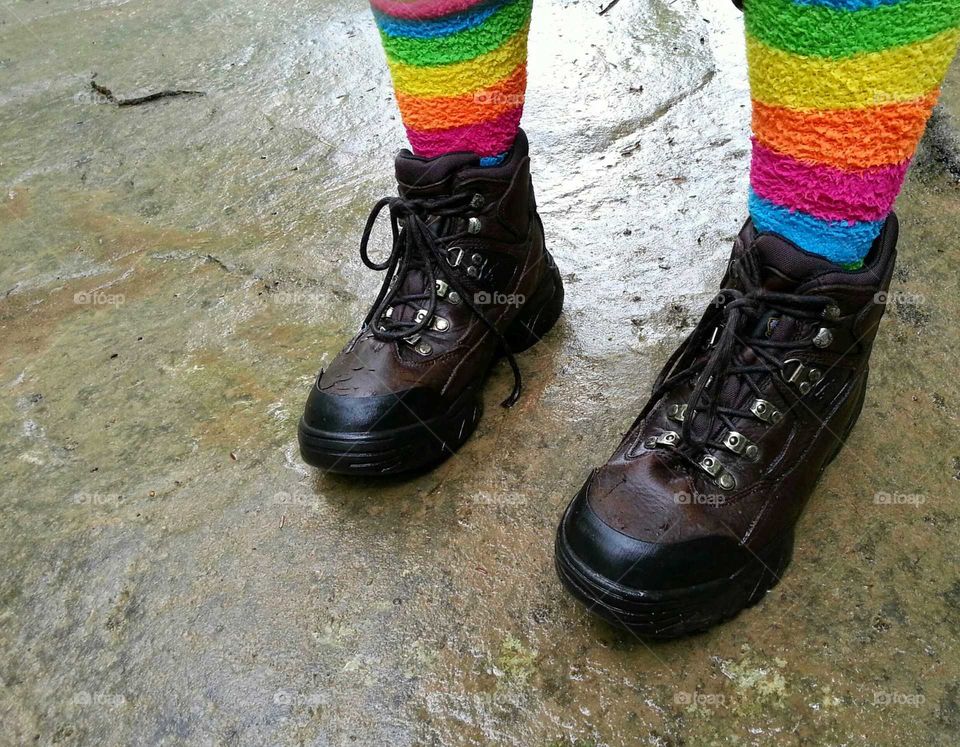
[
  {"x": 850, "y": 139},
  {"x": 443, "y": 112}
]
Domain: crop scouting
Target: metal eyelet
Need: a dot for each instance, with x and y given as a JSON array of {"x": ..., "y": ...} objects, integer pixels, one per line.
[
  {"x": 667, "y": 438},
  {"x": 711, "y": 465},
  {"x": 476, "y": 266},
  {"x": 802, "y": 377},
  {"x": 474, "y": 225},
  {"x": 765, "y": 411},
  {"x": 677, "y": 412},
  {"x": 740, "y": 445},
  {"x": 727, "y": 481},
  {"x": 823, "y": 338},
  {"x": 442, "y": 287},
  {"x": 423, "y": 348},
  {"x": 454, "y": 297},
  {"x": 831, "y": 313},
  {"x": 457, "y": 253},
  {"x": 439, "y": 324},
  {"x": 477, "y": 201},
  {"x": 714, "y": 467}
]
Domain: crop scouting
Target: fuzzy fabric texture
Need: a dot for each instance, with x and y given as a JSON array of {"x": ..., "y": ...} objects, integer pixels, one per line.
[
  {"x": 842, "y": 91},
  {"x": 459, "y": 71}
]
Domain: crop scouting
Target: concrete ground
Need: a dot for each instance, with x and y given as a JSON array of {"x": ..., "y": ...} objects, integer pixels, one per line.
[{"x": 174, "y": 274}]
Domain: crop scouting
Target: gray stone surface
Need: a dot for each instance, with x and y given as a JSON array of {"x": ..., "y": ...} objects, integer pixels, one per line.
[{"x": 174, "y": 274}]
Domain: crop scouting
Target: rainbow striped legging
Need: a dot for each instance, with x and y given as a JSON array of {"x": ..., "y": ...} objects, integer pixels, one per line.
[{"x": 841, "y": 89}]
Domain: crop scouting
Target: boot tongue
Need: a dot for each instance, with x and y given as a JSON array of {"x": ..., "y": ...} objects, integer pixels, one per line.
[
  {"x": 421, "y": 177},
  {"x": 784, "y": 267},
  {"x": 425, "y": 177}
]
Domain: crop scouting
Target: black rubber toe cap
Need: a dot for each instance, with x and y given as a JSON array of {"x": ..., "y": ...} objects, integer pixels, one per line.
[
  {"x": 334, "y": 413},
  {"x": 645, "y": 566}
]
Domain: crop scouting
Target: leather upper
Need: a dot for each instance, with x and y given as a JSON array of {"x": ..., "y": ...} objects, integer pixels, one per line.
[
  {"x": 654, "y": 504},
  {"x": 499, "y": 259}
]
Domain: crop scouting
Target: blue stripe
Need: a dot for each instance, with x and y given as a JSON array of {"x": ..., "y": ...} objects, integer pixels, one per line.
[
  {"x": 436, "y": 27},
  {"x": 488, "y": 161},
  {"x": 843, "y": 4},
  {"x": 842, "y": 242}
]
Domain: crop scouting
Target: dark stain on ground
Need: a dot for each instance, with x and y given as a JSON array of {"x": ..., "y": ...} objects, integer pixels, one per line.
[
  {"x": 912, "y": 312},
  {"x": 941, "y": 144}
]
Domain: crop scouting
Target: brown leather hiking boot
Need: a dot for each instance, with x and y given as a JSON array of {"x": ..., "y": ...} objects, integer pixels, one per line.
[
  {"x": 692, "y": 518},
  {"x": 468, "y": 279}
]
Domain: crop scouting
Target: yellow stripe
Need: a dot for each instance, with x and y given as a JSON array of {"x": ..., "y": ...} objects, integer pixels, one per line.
[
  {"x": 462, "y": 77},
  {"x": 901, "y": 73}
]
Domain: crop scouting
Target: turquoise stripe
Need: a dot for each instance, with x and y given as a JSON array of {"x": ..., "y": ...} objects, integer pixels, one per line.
[
  {"x": 843, "y": 242},
  {"x": 437, "y": 27},
  {"x": 843, "y": 4}
]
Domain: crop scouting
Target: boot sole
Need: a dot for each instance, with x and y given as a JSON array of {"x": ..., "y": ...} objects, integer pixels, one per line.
[
  {"x": 426, "y": 444},
  {"x": 672, "y": 613}
]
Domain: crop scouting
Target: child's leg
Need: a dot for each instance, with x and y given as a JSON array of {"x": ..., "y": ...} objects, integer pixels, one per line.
[
  {"x": 459, "y": 71},
  {"x": 842, "y": 90}
]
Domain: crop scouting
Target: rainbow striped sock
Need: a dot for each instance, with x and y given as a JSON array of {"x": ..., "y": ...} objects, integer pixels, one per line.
[
  {"x": 842, "y": 90},
  {"x": 459, "y": 71}
]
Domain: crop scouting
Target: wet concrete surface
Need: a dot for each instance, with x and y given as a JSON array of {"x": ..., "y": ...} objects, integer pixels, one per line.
[{"x": 174, "y": 274}]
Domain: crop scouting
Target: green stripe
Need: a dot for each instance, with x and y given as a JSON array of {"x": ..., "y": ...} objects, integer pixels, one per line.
[
  {"x": 818, "y": 31},
  {"x": 463, "y": 45}
]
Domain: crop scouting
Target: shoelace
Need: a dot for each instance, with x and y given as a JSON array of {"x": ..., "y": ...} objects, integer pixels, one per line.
[
  {"x": 738, "y": 308},
  {"x": 418, "y": 246}
]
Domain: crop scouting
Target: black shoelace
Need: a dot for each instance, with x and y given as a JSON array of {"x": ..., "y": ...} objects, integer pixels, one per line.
[
  {"x": 418, "y": 245},
  {"x": 738, "y": 311}
]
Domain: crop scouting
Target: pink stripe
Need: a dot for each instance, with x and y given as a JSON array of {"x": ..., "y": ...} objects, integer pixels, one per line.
[
  {"x": 490, "y": 138},
  {"x": 825, "y": 192},
  {"x": 423, "y": 8}
]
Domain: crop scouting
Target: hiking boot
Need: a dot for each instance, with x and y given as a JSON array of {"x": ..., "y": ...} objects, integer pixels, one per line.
[
  {"x": 468, "y": 279},
  {"x": 693, "y": 517}
]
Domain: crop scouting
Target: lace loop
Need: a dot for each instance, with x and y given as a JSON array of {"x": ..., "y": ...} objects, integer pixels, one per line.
[
  {"x": 735, "y": 307},
  {"x": 420, "y": 229}
]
